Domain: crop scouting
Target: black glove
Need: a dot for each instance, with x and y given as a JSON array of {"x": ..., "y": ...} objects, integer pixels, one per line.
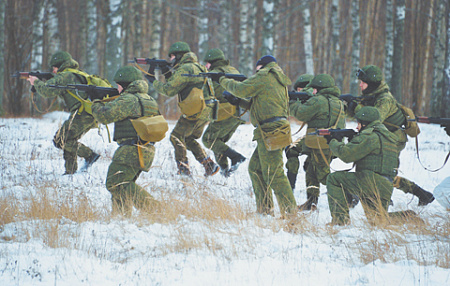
[
  {"x": 346, "y": 97},
  {"x": 216, "y": 77},
  {"x": 231, "y": 98}
]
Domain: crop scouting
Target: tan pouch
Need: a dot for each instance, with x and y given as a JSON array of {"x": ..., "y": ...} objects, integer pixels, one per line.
[
  {"x": 226, "y": 110},
  {"x": 315, "y": 141},
  {"x": 278, "y": 138},
  {"x": 193, "y": 104},
  {"x": 411, "y": 126},
  {"x": 151, "y": 128}
]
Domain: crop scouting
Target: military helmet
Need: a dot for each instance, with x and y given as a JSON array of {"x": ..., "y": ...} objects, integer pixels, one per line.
[
  {"x": 179, "y": 47},
  {"x": 214, "y": 55},
  {"x": 127, "y": 74},
  {"x": 321, "y": 81},
  {"x": 59, "y": 58},
  {"x": 367, "y": 114},
  {"x": 370, "y": 73},
  {"x": 303, "y": 80}
]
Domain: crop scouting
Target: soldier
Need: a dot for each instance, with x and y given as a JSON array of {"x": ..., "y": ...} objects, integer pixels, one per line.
[
  {"x": 221, "y": 130},
  {"x": 323, "y": 110},
  {"x": 195, "y": 104},
  {"x": 269, "y": 111},
  {"x": 79, "y": 123},
  {"x": 127, "y": 164},
  {"x": 376, "y": 156},
  {"x": 376, "y": 93},
  {"x": 293, "y": 152}
]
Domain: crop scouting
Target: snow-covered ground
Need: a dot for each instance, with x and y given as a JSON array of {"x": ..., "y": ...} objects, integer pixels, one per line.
[{"x": 194, "y": 250}]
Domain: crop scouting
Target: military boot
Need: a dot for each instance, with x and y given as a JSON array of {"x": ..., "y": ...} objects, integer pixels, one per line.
[
  {"x": 235, "y": 157},
  {"x": 89, "y": 161},
  {"x": 211, "y": 168},
  {"x": 292, "y": 179},
  {"x": 424, "y": 197},
  {"x": 183, "y": 168},
  {"x": 310, "y": 204}
]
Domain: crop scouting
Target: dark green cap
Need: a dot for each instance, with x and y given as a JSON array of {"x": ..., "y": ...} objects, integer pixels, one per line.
[
  {"x": 179, "y": 47},
  {"x": 322, "y": 81},
  {"x": 370, "y": 73},
  {"x": 214, "y": 55},
  {"x": 128, "y": 74},
  {"x": 367, "y": 114},
  {"x": 59, "y": 58},
  {"x": 303, "y": 80}
]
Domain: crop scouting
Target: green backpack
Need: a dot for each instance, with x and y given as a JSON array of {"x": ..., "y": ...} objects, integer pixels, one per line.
[{"x": 91, "y": 79}]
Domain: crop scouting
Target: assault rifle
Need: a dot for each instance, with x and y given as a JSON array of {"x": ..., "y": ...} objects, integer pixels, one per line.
[
  {"x": 216, "y": 75},
  {"x": 93, "y": 91},
  {"x": 335, "y": 133},
  {"x": 299, "y": 96},
  {"x": 349, "y": 98},
  {"x": 38, "y": 74},
  {"x": 444, "y": 122},
  {"x": 147, "y": 61}
]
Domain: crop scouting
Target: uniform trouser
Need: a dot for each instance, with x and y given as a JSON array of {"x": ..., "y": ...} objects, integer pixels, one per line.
[
  {"x": 184, "y": 136},
  {"x": 317, "y": 170},
  {"x": 401, "y": 183},
  {"x": 122, "y": 175},
  {"x": 266, "y": 172},
  {"x": 67, "y": 136},
  {"x": 216, "y": 136},
  {"x": 374, "y": 191},
  {"x": 292, "y": 154}
]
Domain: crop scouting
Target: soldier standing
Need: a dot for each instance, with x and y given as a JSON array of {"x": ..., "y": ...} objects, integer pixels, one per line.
[
  {"x": 221, "y": 130},
  {"x": 127, "y": 164},
  {"x": 269, "y": 111},
  {"x": 79, "y": 123},
  {"x": 195, "y": 102},
  {"x": 376, "y": 93}
]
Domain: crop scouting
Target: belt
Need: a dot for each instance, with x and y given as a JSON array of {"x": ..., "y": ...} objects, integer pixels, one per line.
[
  {"x": 133, "y": 142},
  {"x": 210, "y": 101},
  {"x": 273, "y": 119}
]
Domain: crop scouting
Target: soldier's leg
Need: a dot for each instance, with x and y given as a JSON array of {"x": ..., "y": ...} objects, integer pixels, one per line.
[
  {"x": 274, "y": 177},
  {"x": 211, "y": 139},
  {"x": 312, "y": 185},
  {"x": 293, "y": 163},
  {"x": 196, "y": 129},
  {"x": 410, "y": 187},
  {"x": 263, "y": 195}
]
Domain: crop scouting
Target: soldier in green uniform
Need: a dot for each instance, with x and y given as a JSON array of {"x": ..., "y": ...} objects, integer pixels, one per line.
[
  {"x": 79, "y": 123},
  {"x": 376, "y": 155},
  {"x": 323, "y": 110},
  {"x": 376, "y": 93},
  {"x": 196, "y": 103},
  {"x": 221, "y": 130},
  {"x": 269, "y": 111},
  {"x": 127, "y": 164}
]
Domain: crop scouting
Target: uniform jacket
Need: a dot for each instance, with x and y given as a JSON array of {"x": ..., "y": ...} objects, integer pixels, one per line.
[{"x": 221, "y": 66}]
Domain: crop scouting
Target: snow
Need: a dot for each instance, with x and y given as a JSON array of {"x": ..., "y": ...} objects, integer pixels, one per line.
[{"x": 194, "y": 249}]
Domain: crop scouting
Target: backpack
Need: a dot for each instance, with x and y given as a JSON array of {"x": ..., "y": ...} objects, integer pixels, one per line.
[
  {"x": 411, "y": 127},
  {"x": 91, "y": 79}
]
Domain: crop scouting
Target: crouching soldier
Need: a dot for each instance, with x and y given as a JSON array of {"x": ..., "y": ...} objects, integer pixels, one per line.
[{"x": 133, "y": 156}]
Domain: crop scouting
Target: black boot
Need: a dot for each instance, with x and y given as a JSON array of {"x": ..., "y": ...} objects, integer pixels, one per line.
[
  {"x": 89, "y": 161},
  {"x": 235, "y": 157},
  {"x": 310, "y": 204},
  {"x": 424, "y": 197},
  {"x": 292, "y": 179},
  {"x": 183, "y": 168}
]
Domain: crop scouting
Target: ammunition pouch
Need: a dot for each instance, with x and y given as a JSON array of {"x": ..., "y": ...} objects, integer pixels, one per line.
[
  {"x": 315, "y": 141},
  {"x": 226, "y": 110},
  {"x": 150, "y": 128},
  {"x": 276, "y": 137},
  {"x": 193, "y": 104}
]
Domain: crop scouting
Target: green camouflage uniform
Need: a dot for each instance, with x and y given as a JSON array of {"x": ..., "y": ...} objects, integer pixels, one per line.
[
  {"x": 219, "y": 132},
  {"x": 188, "y": 129},
  {"x": 375, "y": 153},
  {"x": 66, "y": 138},
  {"x": 320, "y": 111},
  {"x": 390, "y": 115},
  {"x": 125, "y": 167},
  {"x": 268, "y": 93}
]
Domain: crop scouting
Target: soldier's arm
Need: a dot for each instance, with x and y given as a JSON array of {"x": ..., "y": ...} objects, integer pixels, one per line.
[
  {"x": 174, "y": 85},
  {"x": 386, "y": 107},
  {"x": 113, "y": 111},
  {"x": 359, "y": 147},
  {"x": 42, "y": 87},
  {"x": 305, "y": 111},
  {"x": 243, "y": 89}
]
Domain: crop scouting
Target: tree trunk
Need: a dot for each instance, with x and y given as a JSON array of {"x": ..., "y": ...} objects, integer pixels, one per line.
[{"x": 397, "y": 56}]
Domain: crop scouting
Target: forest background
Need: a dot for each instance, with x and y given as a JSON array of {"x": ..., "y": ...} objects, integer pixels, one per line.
[{"x": 408, "y": 39}]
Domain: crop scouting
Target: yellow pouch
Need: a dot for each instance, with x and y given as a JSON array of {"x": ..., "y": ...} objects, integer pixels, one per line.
[
  {"x": 278, "y": 138},
  {"x": 193, "y": 104},
  {"x": 315, "y": 141},
  {"x": 226, "y": 110},
  {"x": 151, "y": 128}
]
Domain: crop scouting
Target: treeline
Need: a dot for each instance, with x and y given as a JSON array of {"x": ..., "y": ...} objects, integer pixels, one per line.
[{"x": 408, "y": 39}]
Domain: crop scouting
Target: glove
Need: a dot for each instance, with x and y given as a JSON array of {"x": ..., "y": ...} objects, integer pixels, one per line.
[
  {"x": 351, "y": 107},
  {"x": 150, "y": 78},
  {"x": 216, "y": 77},
  {"x": 346, "y": 97},
  {"x": 231, "y": 98},
  {"x": 165, "y": 70},
  {"x": 328, "y": 138}
]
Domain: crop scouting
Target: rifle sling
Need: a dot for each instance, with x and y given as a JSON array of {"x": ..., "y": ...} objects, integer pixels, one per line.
[{"x": 418, "y": 157}]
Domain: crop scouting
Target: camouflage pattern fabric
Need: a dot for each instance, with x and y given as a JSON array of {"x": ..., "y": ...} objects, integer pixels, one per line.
[
  {"x": 184, "y": 137},
  {"x": 267, "y": 90},
  {"x": 125, "y": 167}
]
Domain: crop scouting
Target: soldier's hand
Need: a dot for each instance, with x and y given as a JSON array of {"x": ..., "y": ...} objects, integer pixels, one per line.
[
  {"x": 231, "y": 98},
  {"x": 328, "y": 138},
  {"x": 216, "y": 77},
  {"x": 351, "y": 107},
  {"x": 165, "y": 70},
  {"x": 150, "y": 78}
]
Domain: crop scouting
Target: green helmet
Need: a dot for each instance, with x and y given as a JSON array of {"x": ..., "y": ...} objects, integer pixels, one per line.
[
  {"x": 370, "y": 73},
  {"x": 367, "y": 114},
  {"x": 303, "y": 80},
  {"x": 179, "y": 47},
  {"x": 59, "y": 58},
  {"x": 214, "y": 55},
  {"x": 127, "y": 74},
  {"x": 322, "y": 81}
]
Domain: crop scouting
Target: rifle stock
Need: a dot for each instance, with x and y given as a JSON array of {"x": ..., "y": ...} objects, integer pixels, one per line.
[
  {"x": 433, "y": 120},
  {"x": 333, "y": 132}
]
